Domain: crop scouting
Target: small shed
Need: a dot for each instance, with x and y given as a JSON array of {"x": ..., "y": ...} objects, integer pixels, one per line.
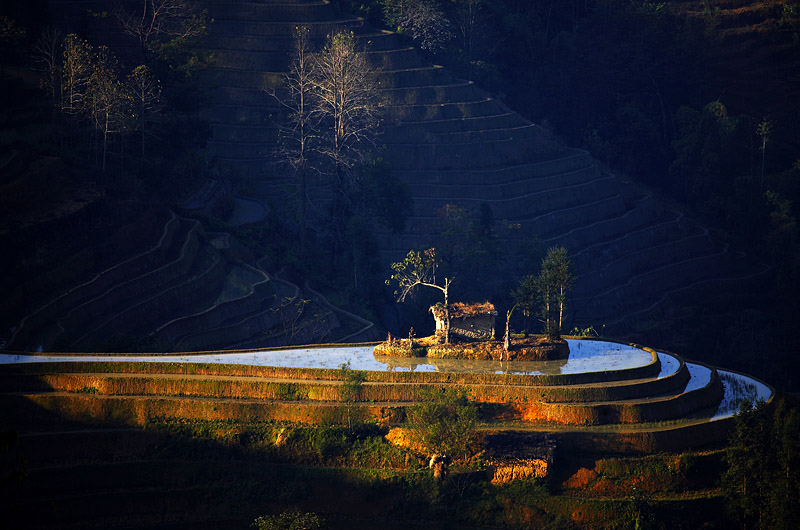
[{"x": 467, "y": 321}]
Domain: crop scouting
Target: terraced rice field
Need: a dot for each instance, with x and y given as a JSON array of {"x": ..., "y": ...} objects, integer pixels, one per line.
[
  {"x": 88, "y": 427},
  {"x": 453, "y": 143},
  {"x": 183, "y": 290},
  {"x": 606, "y": 392}
]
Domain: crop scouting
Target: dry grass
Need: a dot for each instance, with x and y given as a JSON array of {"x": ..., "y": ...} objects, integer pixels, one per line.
[
  {"x": 288, "y": 390},
  {"x": 460, "y": 310}
]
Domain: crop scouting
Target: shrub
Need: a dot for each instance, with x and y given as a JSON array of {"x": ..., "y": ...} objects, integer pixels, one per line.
[
  {"x": 290, "y": 520},
  {"x": 353, "y": 381},
  {"x": 445, "y": 422}
]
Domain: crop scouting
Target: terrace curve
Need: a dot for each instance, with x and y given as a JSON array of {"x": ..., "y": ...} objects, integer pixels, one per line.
[
  {"x": 452, "y": 142},
  {"x": 186, "y": 290},
  {"x": 638, "y": 399}
]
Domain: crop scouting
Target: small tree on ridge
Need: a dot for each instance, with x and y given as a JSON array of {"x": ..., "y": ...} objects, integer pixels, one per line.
[
  {"x": 419, "y": 268},
  {"x": 554, "y": 281}
]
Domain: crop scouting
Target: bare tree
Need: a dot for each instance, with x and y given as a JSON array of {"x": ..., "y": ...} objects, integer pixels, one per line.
[
  {"x": 158, "y": 18},
  {"x": 764, "y": 131},
  {"x": 419, "y": 268},
  {"x": 468, "y": 18},
  {"x": 346, "y": 105},
  {"x": 289, "y": 312},
  {"x": 507, "y": 334},
  {"x": 76, "y": 70},
  {"x": 108, "y": 99},
  {"x": 145, "y": 93},
  {"x": 46, "y": 51},
  {"x": 296, "y": 138}
]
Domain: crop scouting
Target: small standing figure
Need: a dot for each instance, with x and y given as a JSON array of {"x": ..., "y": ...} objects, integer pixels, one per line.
[
  {"x": 410, "y": 343},
  {"x": 440, "y": 465}
]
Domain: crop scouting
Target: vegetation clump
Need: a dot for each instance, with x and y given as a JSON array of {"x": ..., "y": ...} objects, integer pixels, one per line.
[
  {"x": 409, "y": 347},
  {"x": 444, "y": 423},
  {"x": 291, "y": 520},
  {"x": 529, "y": 348},
  {"x": 546, "y": 292},
  {"x": 763, "y": 457}
]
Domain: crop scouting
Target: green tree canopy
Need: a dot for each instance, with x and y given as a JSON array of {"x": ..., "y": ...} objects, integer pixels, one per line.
[
  {"x": 526, "y": 296},
  {"x": 763, "y": 460},
  {"x": 554, "y": 283},
  {"x": 444, "y": 422}
]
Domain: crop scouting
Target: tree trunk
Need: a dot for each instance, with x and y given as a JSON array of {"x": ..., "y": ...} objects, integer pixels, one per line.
[
  {"x": 763, "y": 157},
  {"x": 141, "y": 126},
  {"x": 507, "y": 339},
  {"x": 303, "y": 213},
  {"x": 355, "y": 268},
  {"x": 547, "y": 317},
  {"x": 446, "y": 312},
  {"x": 105, "y": 142},
  {"x": 337, "y": 214},
  {"x": 446, "y": 324}
]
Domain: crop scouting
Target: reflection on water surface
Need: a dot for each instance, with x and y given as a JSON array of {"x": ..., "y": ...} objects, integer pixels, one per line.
[
  {"x": 739, "y": 388},
  {"x": 585, "y": 356}
]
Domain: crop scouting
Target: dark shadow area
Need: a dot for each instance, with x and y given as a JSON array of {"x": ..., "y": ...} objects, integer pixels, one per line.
[{"x": 180, "y": 474}]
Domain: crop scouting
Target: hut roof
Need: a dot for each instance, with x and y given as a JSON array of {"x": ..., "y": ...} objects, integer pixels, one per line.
[{"x": 460, "y": 310}]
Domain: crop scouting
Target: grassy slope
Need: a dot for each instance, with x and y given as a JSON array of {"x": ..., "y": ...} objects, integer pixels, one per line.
[{"x": 80, "y": 477}]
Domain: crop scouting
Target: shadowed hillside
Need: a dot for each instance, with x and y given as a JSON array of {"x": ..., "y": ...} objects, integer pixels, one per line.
[
  {"x": 453, "y": 143},
  {"x": 87, "y": 271}
]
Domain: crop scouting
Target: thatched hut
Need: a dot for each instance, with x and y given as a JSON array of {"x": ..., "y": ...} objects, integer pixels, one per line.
[{"x": 467, "y": 321}]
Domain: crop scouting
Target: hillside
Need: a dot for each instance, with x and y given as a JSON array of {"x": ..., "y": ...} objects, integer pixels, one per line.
[
  {"x": 755, "y": 60},
  {"x": 656, "y": 141},
  {"x": 453, "y": 143},
  {"x": 88, "y": 268},
  {"x": 513, "y": 181},
  {"x": 568, "y": 450}
]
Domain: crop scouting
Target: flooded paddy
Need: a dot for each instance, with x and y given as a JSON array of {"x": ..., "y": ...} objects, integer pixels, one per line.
[
  {"x": 739, "y": 388},
  {"x": 585, "y": 356}
]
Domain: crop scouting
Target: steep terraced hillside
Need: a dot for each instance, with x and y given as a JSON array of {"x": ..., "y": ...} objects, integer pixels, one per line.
[
  {"x": 182, "y": 289},
  {"x": 455, "y": 144},
  {"x": 90, "y": 274}
]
